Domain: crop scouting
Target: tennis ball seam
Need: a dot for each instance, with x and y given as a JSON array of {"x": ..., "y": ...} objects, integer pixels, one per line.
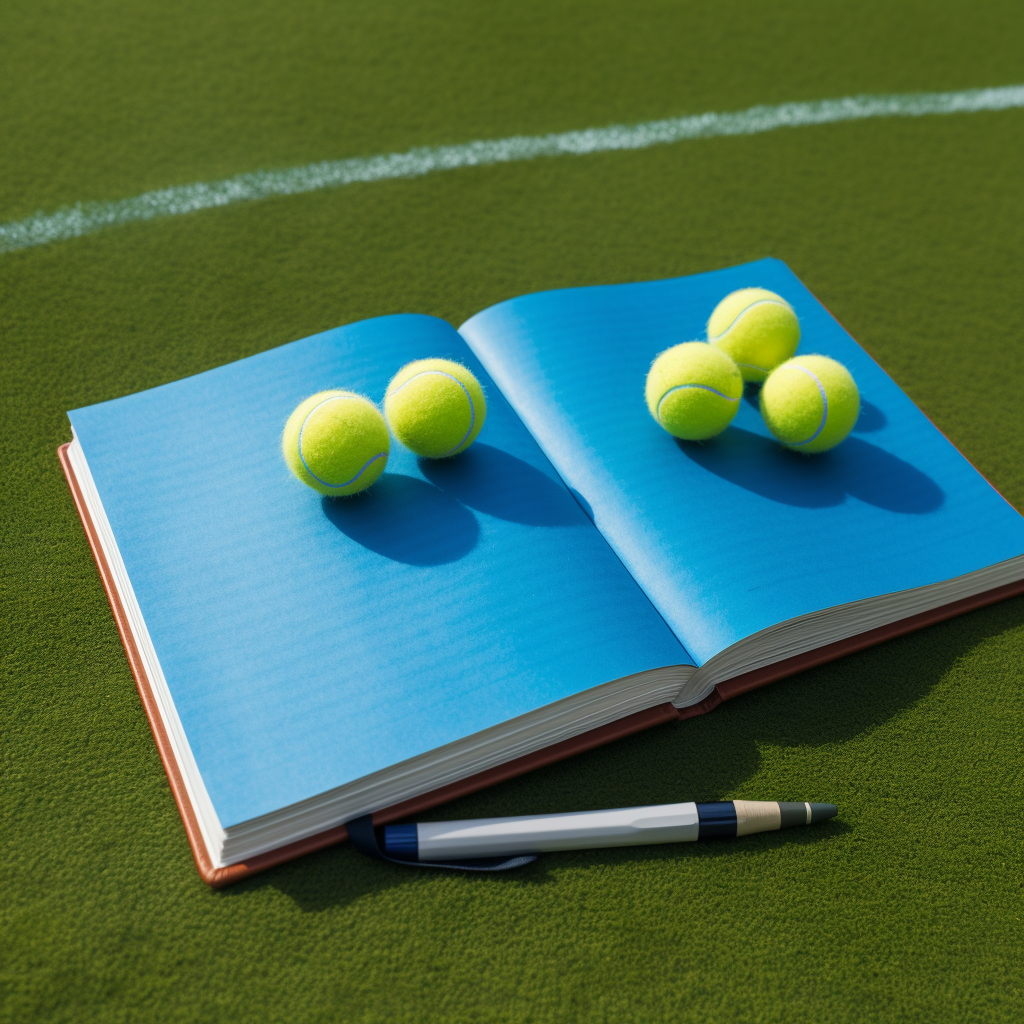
[
  {"x": 302, "y": 457},
  {"x": 824, "y": 403},
  {"x": 746, "y": 309},
  {"x": 693, "y": 390},
  {"x": 703, "y": 387},
  {"x": 469, "y": 398}
]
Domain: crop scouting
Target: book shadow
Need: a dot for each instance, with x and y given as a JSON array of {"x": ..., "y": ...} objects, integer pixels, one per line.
[
  {"x": 498, "y": 484},
  {"x": 855, "y": 468},
  {"x": 710, "y": 757},
  {"x": 407, "y": 520}
]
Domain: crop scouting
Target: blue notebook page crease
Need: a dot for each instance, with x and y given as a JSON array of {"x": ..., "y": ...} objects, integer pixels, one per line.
[
  {"x": 308, "y": 642},
  {"x": 737, "y": 534}
]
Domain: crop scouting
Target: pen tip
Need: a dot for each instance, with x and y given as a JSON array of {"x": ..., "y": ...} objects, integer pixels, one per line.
[{"x": 819, "y": 812}]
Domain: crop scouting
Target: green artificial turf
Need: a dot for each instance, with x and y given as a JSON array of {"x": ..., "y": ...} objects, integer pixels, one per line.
[{"x": 905, "y": 908}]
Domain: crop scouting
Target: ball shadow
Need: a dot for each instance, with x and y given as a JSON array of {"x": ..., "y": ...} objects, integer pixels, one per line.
[
  {"x": 583, "y": 503},
  {"x": 501, "y": 485},
  {"x": 856, "y": 468},
  {"x": 880, "y": 478},
  {"x": 406, "y": 520},
  {"x": 758, "y": 464},
  {"x": 871, "y": 418}
]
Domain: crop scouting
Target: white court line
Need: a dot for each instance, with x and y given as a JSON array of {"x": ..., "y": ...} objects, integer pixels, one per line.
[{"x": 84, "y": 218}]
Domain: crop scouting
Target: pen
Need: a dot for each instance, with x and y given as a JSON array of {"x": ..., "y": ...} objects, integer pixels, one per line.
[{"x": 586, "y": 830}]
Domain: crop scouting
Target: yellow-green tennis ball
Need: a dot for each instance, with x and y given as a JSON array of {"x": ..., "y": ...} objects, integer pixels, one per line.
[
  {"x": 336, "y": 442},
  {"x": 810, "y": 403},
  {"x": 693, "y": 390},
  {"x": 435, "y": 407},
  {"x": 757, "y": 328}
]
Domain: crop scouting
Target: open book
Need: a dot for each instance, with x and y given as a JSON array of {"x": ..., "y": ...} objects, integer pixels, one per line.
[{"x": 576, "y": 575}]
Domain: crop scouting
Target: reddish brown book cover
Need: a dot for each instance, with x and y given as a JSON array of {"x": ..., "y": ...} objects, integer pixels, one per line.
[{"x": 218, "y": 877}]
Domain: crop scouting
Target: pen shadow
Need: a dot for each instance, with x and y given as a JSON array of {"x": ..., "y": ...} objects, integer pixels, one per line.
[{"x": 710, "y": 757}]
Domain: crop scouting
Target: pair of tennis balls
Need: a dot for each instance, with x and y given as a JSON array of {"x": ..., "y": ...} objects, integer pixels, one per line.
[
  {"x": 337, "y": 442},
  {"x": 810, "y": 403}
]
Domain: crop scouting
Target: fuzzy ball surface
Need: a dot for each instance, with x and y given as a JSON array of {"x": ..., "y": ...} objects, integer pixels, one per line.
[
  {"x": 693, "y": 390},
  {"x": 336, "y": 442},
  {"x": 810, "y": 403},
  {"x": 757, "y": 328},
  {"x": 435, "y": 407}
]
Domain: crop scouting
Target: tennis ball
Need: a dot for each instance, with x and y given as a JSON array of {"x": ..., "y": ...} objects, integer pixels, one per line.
[
  {"x": 435, "y": 407},
  {"x": 757, "y": 328},
  {"x": 810, "y": 403},
  {"x": 693, "y": 390},
  {"x": 336, "y": 442}
]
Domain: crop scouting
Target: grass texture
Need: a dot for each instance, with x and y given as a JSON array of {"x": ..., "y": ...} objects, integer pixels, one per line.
[{"x": 907, "y": 907}]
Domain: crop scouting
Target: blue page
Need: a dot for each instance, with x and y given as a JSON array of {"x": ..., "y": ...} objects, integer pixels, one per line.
[
  {"x": 737, "y": 534},
  {"x": 308, "y": 642}
]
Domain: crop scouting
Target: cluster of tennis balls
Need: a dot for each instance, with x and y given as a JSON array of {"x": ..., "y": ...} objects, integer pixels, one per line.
[
  {"x": 338, "y": 442},
  {"x": 810, "y": 403}
]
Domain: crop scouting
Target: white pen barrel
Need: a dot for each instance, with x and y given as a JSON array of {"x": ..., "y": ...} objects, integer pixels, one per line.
[{"x": 489, "y": 837}]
